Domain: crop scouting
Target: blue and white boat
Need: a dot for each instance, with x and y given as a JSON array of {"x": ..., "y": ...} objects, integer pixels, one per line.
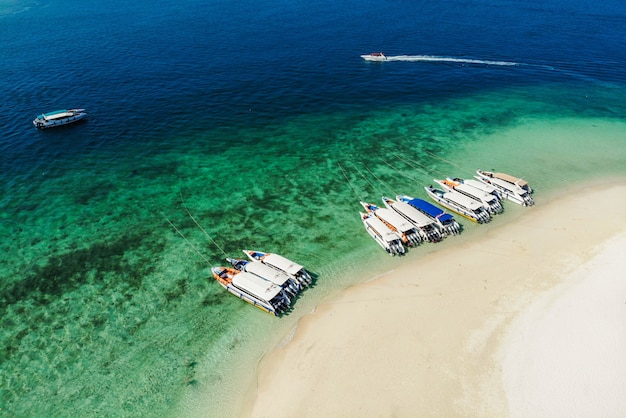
[
  {"x": 425, "y": 224},
  {"x": 446, "y": 222},
  {"x": 59, "y": 118}
]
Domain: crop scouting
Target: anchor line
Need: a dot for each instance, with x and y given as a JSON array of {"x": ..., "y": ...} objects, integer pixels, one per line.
[
  {"x": 443, "y": 159},
  {"x": 186, "y": 240},
  {"x": 368, "y": 180},
  {"x": 387, "y": 185},
  {"x": 200, "y": 226},
  {"x": 349, "y": 183},
  {"x": 399, "y": 171}
]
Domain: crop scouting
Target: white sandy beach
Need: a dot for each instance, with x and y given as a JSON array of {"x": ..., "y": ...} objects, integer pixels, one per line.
[{"x": 526, "y": 320}]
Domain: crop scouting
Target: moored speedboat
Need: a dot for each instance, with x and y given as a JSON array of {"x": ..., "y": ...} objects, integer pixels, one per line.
[
  {"x": 251, "y": 288},
  {"x": 506, "y": 177},
  {"x": 374, "y": 56},
  {"x": 446, "y": 222},
  {"x": 396, "y": 222},
  {"x": 425, "y": 224},
  {"x": 281, "y": 263},
  {"x": 487, "y": 188},
  {"x": 463, "y": 205},
  {"x": 279, "y": 278},
  {"x": 388, "y": 239},
  {"x": 489, "y": 201},
  {"x": 58, "y": 118},
  {"x": 507, "y": 190}
]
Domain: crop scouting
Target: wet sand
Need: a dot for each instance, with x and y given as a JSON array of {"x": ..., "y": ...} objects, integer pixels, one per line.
[{"x": 472, "y": 329}]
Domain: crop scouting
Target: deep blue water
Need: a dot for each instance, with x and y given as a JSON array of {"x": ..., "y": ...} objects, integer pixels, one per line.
[{"x": 243, "y": 109}]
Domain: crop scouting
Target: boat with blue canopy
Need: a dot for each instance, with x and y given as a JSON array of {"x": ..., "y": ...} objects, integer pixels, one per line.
[{"x": 444, "y": 220}]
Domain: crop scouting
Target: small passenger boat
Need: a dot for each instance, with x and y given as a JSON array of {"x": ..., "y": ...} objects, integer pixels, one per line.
[
  {"x": 374, "y": 56},
  {"x": 463, "y": 205},
  {"x": 58, "y": 118},
  {"x": 283, "y": 264},
  {"x": 446, "y": 222},
  {"x": 388, "y": 239},
  {"x": 507, "y": 190},
  {"x": 489, "y": 201},
  {"x": 425, "y": 224},
  {"x": 251, "y": 288},
  {"x": 279, "y": 278},
  {"x": 396, "y": 222},
  {"x": 506, "y": 177}
]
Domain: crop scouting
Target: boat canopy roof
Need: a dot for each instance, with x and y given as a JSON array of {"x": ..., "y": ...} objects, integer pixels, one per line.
[
  {"x": 267, "y": 272},
  {"x": 463, "y": 200},
  {"x": 394, "y": 218},
  {"x": 429, "y": 208},
  {"x": 261, "y": 288},
  {"x": 57, "y": 114},
  {"x": 282, "y": 263},
  {"x": 511, "y": 187},
  {"x": 479, "y": 185},
  {"x": 385, "y": 233},
  {"x": 473, "y": 191},
  {"x": 415, "y": 215},
  {"x": 511, "y": 179}
]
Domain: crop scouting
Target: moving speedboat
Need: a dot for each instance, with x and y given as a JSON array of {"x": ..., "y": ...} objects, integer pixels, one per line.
[
  {"x": 507, "y": 190},
  {"x": 506, "y": 177},
  {"x": 425, "y": 224},
  {"x": 374, "y": 56},
  {"x": 461, "y": 204},
  {"x": 388, "y": 239},
  {"x": 396, "y": 222},
  {"x": 489, "y": 201},
  {"x": 446, "y": 222},
  {"x": 283, "y": 264},
  {"x": 58, "y": 118},
  {"x": 253, "y": 289}
]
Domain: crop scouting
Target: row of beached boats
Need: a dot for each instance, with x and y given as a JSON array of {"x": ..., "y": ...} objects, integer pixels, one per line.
[
  {"x": 408, "y": 221},
  {"x": 271, "y": 282},
  {"x": 266, "y": 280}
]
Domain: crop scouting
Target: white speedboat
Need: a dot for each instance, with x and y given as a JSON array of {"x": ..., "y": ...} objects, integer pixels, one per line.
[
  {"x": 425, "y": 224},
  {"x": 489, "y": 201},
  {"x": 487, "y": 188},
  {"x": 396, "y": 222},
  {"x": 388, "y": 239},
  {"x": 374, "y": 56},
  {"x": 506, "y": 177},
  {"x": 446, "y": 222},
  {"x": 507, "y": 190},
  {"x": 281, "y": 263},
  {"x": 58, "y": 118},
  {"x": 253, "y": 289},
  {"x": 463, "y": 205},
  {"x": 279, "y": 278}
]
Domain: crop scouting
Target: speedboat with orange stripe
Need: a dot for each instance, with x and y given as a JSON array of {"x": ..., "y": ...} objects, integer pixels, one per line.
[{"x": 253, "y": 289}]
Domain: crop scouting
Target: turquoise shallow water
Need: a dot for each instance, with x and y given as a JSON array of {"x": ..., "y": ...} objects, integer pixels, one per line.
[{"x": 107, "y": 310}]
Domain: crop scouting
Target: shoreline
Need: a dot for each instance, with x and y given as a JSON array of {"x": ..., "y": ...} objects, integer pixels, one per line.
[{"x": 426, "y": 337}]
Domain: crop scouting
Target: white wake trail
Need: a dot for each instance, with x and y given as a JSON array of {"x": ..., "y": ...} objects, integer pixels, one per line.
[{"x": 433, "y": 58}]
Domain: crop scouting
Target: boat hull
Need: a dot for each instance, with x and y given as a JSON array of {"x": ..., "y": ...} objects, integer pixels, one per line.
[
  {"x": 41, "y": 122},
  {"x": 450, "y": 205}
]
